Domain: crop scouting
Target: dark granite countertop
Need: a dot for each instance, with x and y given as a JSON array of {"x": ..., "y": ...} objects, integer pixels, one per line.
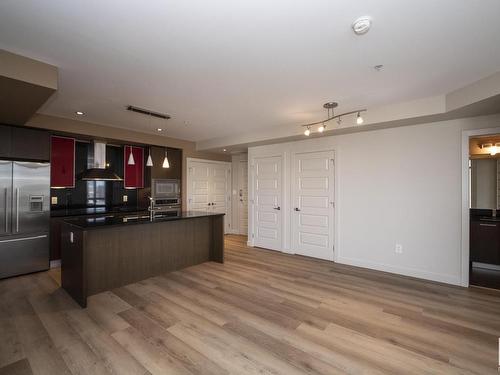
[
  {"x": 141, "y": 217},
  {"x": 93, "y": 211}
]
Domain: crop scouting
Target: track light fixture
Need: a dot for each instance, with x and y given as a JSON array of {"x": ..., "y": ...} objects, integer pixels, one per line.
[
  {"x": 359, "y": 119},
  {"x": 331, "y": 116}
]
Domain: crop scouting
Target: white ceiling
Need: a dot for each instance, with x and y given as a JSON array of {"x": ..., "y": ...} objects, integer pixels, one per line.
[{"x": 227, "y": 67}]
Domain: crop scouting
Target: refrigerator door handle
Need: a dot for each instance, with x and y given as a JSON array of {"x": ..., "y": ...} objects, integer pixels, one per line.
[
  {"x": 6, "y": 213},
  {"x": 17, "y": 210},
  {"x": 23, "y": 239}
]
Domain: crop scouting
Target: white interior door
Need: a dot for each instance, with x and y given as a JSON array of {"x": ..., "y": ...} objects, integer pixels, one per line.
[
  {"x": 220, "y": 192},
  {"x": 267, "y": 202},
  {"x": 243, "y": 197},
  {"x": 313, "y": 204},
  {"x": 209, "y": 188},
  {"x": 198, "y": 184}
]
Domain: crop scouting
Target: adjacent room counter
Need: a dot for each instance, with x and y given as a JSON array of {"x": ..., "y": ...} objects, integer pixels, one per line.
[{"x": 100, "y": 254}]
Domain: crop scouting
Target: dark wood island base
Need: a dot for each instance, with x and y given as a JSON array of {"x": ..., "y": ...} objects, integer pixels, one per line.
[{"x": 103, "y": 255}]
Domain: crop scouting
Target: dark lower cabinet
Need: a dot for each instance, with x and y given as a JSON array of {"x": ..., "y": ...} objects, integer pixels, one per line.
[{"x": 485, "y": 241}]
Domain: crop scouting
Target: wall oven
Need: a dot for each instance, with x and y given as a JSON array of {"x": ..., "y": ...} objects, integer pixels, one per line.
[{"x": 166, "y": 188}]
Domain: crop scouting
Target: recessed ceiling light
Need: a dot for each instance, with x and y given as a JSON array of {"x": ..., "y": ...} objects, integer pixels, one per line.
[
  {"x": 80, "y": 113},
  {"x": 159, "y": 129},
  {"x": 361, "y": 25},
  {"x": 224, "y": 150}
]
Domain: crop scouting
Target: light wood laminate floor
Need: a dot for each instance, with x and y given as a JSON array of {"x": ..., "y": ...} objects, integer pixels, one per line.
[{"x": 261, "y": 312}]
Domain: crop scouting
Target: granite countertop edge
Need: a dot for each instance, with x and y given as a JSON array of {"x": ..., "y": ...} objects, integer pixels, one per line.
[{"x": 84, "y": 223}]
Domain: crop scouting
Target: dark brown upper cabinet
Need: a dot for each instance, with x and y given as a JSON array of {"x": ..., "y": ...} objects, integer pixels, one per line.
[
  {"x": 5, "y": 141},
  {"x": 157, "y": 170},
  {"x": 30, "y": 144}
]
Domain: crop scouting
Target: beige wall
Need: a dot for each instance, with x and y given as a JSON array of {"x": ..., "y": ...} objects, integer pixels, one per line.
[
  {"x": 111, "y": 133},
  {"x": 396, "y": 186}
]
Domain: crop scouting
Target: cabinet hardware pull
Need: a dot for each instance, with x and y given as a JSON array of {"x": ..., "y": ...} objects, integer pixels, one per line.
[
  {"x": 487, "y": 225},
  {"x": 297, "y": 209}
]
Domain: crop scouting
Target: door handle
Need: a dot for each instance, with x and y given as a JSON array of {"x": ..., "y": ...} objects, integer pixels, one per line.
[
  {"x": 17, "y": 210},
  {"x": 6, "y": 215},
  {"x": 24, "y": 239},
  {"x": 277, "y": 208},
  {"x": 297, "y": 209}
]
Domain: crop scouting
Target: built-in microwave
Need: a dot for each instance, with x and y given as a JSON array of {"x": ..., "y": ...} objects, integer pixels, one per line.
[{"x": 166, "y": 188}]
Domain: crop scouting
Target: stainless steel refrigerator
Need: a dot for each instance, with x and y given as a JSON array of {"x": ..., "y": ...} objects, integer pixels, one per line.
[{"x": 25, "y": 217}]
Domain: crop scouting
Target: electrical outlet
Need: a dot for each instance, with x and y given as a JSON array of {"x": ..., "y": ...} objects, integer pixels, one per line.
[
  {"x": 399, "y": 248},
  {"x": 125, "y": 198},
  {"x": 53, "y": 200}
]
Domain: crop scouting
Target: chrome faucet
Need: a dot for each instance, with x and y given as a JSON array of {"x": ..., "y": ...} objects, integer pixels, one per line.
[
  {"x": 151, "y": 209},
  {"x": 494, "y": 212}
]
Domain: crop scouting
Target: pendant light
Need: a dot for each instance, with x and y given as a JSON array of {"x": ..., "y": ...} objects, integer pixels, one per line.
[
  {"x": 166, "y": 164},
  {"x": 131, "y": 160},
  {"x": 149, "y": 163}
]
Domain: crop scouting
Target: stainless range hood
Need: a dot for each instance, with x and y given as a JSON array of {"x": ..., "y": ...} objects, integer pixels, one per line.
[{"x": 99, "y": 172}]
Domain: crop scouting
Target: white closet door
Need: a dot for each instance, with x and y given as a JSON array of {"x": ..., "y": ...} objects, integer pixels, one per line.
[
  {"x": 219, "y": 192},
  {"x": 199, "y": 176},
  {"x": 209, "y": 186},
  {"x": 267, "y": 202},
  {"x": 312, "y": 204},
  {"x": 243, "y": 197}
]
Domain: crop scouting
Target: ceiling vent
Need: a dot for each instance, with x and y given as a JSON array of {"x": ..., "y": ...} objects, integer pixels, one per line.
[{"x": 148, "y": 112}]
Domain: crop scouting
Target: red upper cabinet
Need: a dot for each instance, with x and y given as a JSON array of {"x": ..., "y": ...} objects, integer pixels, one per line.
[
  {"x": 133, "y": 175},
  {"x": 62, "y": 162}
]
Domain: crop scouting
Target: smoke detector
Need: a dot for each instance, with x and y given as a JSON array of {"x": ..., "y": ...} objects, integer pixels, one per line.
[{"x": 362, "y": 25}]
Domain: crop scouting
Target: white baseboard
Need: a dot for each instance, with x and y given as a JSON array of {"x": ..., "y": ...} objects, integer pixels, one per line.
[
  {"x": 55, "y": 263},
  {"x": 447, "y": 279}
]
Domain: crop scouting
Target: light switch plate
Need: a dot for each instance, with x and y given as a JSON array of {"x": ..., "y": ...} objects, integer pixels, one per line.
[
  {"x": 125, "y": 198},
  {"x": 53, "y": 200}
]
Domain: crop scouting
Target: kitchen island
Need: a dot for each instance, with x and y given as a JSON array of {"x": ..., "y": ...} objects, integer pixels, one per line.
[{"x": 103, "y": 253}]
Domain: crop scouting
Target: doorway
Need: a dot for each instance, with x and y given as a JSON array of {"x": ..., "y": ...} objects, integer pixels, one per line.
[
  {"x": 484, "y": 203},
  {"x": 242, "y": 190}
]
